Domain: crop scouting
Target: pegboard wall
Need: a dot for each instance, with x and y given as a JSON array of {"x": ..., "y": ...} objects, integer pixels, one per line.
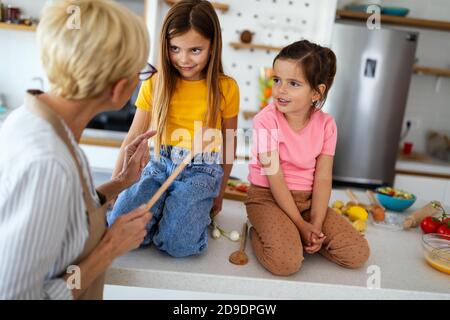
[{"x": 275, "y": 23}]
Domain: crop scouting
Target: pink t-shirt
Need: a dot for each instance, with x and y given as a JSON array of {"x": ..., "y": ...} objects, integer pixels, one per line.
[{"x": 298, "y": 150}]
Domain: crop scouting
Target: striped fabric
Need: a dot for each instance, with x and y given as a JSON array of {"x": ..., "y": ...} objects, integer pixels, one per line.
[{"x": 43, "y": 224}]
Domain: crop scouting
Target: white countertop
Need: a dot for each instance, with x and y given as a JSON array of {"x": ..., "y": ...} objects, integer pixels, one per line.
[
  {"x": 435, "y": 167},
  {"x": 404, "y": 272}
]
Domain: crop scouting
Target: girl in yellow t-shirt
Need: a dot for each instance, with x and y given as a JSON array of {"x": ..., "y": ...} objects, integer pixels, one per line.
[{"x": 189, "y": 92}]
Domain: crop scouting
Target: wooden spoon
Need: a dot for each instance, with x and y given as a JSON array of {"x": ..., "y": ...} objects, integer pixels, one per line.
[
  {"x": 240, "y": 257},
  {"x": 377, "y": 210},
  {"x": 354, "y": 200},
  {"x": 204, "y": 148}
]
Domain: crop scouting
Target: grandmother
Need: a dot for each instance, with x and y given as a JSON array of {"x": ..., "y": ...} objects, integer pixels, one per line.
[{"x": 53, "y": 238}]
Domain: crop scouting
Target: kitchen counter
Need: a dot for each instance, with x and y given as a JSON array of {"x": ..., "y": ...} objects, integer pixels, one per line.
[
  {"x": 397, "y": 254},
  {"x": 432, "y": 168}
]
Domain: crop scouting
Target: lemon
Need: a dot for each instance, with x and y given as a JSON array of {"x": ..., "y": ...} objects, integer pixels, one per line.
[
  {"x": 357, "y": 213},
  {"x": 360, "y": 225},
  {"x": 338, "y": 204},
  {"x": 337, "y": 210}
]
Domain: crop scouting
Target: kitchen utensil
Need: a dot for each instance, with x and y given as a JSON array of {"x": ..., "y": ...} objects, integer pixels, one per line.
[
  {"x": 240, "y": 257},
  {"x": 437, "y": 251},
  {"x": 180, "y": 168},
  {"x": 378, "y": 211},
  {"x": 414, "y": 219},
  {"x": 354, "y": 199}
]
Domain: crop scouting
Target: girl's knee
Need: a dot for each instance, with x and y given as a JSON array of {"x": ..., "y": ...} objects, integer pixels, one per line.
[
  {"x": 360, "y": 254},
  {"x": 350, "y": 255},
  {"x": 278, "y": 259},
  {"x": 285, "y": 266},
  {"x": 181, "y": 244}
]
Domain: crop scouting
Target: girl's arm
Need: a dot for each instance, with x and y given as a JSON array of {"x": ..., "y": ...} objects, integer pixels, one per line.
[
  {"x": 228, "y": 142},
  {"x": 271, "y": 164},
  {"x": 323, "y": 178},
  {"x": 138, "y": 127}
]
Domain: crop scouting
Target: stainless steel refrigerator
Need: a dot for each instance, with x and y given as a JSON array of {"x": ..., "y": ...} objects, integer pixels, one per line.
[{"x": 368, "y": 100}]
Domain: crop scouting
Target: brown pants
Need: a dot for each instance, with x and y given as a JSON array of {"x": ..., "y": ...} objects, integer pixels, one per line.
[{"x": 276, "y": 240}]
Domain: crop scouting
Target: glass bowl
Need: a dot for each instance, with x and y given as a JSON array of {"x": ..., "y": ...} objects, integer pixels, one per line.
[{"x": 437, "y": 251}]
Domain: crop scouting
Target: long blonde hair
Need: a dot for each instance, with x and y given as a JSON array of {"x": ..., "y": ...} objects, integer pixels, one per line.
[{"x": 185, "y": 15}]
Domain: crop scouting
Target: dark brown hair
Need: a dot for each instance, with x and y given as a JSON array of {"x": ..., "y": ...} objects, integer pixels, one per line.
[{"x": 318, "y": 64}]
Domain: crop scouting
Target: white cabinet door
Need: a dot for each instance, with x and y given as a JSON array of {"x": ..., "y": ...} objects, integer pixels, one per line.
[
  {"x": 424, "y": 188},
  {"x": 447, "y": 194}
]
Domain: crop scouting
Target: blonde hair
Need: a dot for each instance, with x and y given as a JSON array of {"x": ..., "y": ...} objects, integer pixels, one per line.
[
  {"x": 185, "y": 15},
  {"x": 111, "y": 43}
]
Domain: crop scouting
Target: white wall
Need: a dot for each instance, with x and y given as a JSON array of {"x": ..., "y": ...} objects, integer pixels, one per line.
[
  {"x": 429, "y": 97},
  {"x": 19, "y": 56}
]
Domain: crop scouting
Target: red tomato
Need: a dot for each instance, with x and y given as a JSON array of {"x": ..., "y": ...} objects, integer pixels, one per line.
[
  {"x": 444, "y": 231},
  {"x": 430, "y": 224},
  {"x": 242, "y": 188}
]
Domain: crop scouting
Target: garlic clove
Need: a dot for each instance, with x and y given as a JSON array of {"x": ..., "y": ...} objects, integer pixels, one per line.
[
  {"x": 216, "y": 233},
  {"x": 234, "y": 236}
]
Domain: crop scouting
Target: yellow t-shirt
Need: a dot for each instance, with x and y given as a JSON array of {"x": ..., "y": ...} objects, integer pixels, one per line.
[{"x": 188, "y": 105}]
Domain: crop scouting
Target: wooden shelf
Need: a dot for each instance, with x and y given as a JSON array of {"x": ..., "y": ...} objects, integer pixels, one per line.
[
  {"x": 402, "y": 21},
  {"x": 219, "y": 6},
  {"x": 12, "y": 26},
  {"x": 104, "y": 142},
  {"x": 239, "y": 45},
  {"x": 431, "y": 71}
]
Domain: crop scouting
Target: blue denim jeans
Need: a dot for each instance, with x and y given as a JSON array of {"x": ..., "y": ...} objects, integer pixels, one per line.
[{"x": 182, "y": 214}]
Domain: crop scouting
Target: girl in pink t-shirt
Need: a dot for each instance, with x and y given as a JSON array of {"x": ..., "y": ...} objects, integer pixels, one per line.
[{"x": 291, "y": 168}]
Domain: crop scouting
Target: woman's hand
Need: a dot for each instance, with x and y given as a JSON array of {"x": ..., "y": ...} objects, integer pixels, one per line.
[
  {"x": 127, "y": 232},
  {"x": 137, "y": 154}
]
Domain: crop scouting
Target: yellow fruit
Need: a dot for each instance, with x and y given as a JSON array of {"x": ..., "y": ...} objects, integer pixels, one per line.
[
  {"x": 337, "y": 210},
  {"x": 357, "y": 213},
  {"x": 338, "y": 204},
  {"x": 360, "y": 225}
]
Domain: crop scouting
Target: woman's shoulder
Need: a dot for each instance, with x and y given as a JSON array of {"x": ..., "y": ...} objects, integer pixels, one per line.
[{"x": 25, "y": 132}]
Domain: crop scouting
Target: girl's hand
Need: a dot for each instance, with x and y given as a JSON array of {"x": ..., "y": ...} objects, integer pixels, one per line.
[
  {"x": 316, "y": 244},
  {"x": 310, "y": 234},
  {"x": 137, "y": 155},
  {"x": 217, "y": 206},
  {"x": 127, "y": 232}
]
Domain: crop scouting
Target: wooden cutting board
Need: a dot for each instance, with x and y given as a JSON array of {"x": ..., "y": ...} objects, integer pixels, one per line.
[{"x": 232, "y": 194}]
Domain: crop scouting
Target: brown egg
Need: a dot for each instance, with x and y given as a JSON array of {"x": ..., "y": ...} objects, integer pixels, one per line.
[
  {"x": 378, "y": 213},
  {"x": 246, "y": 36}
]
